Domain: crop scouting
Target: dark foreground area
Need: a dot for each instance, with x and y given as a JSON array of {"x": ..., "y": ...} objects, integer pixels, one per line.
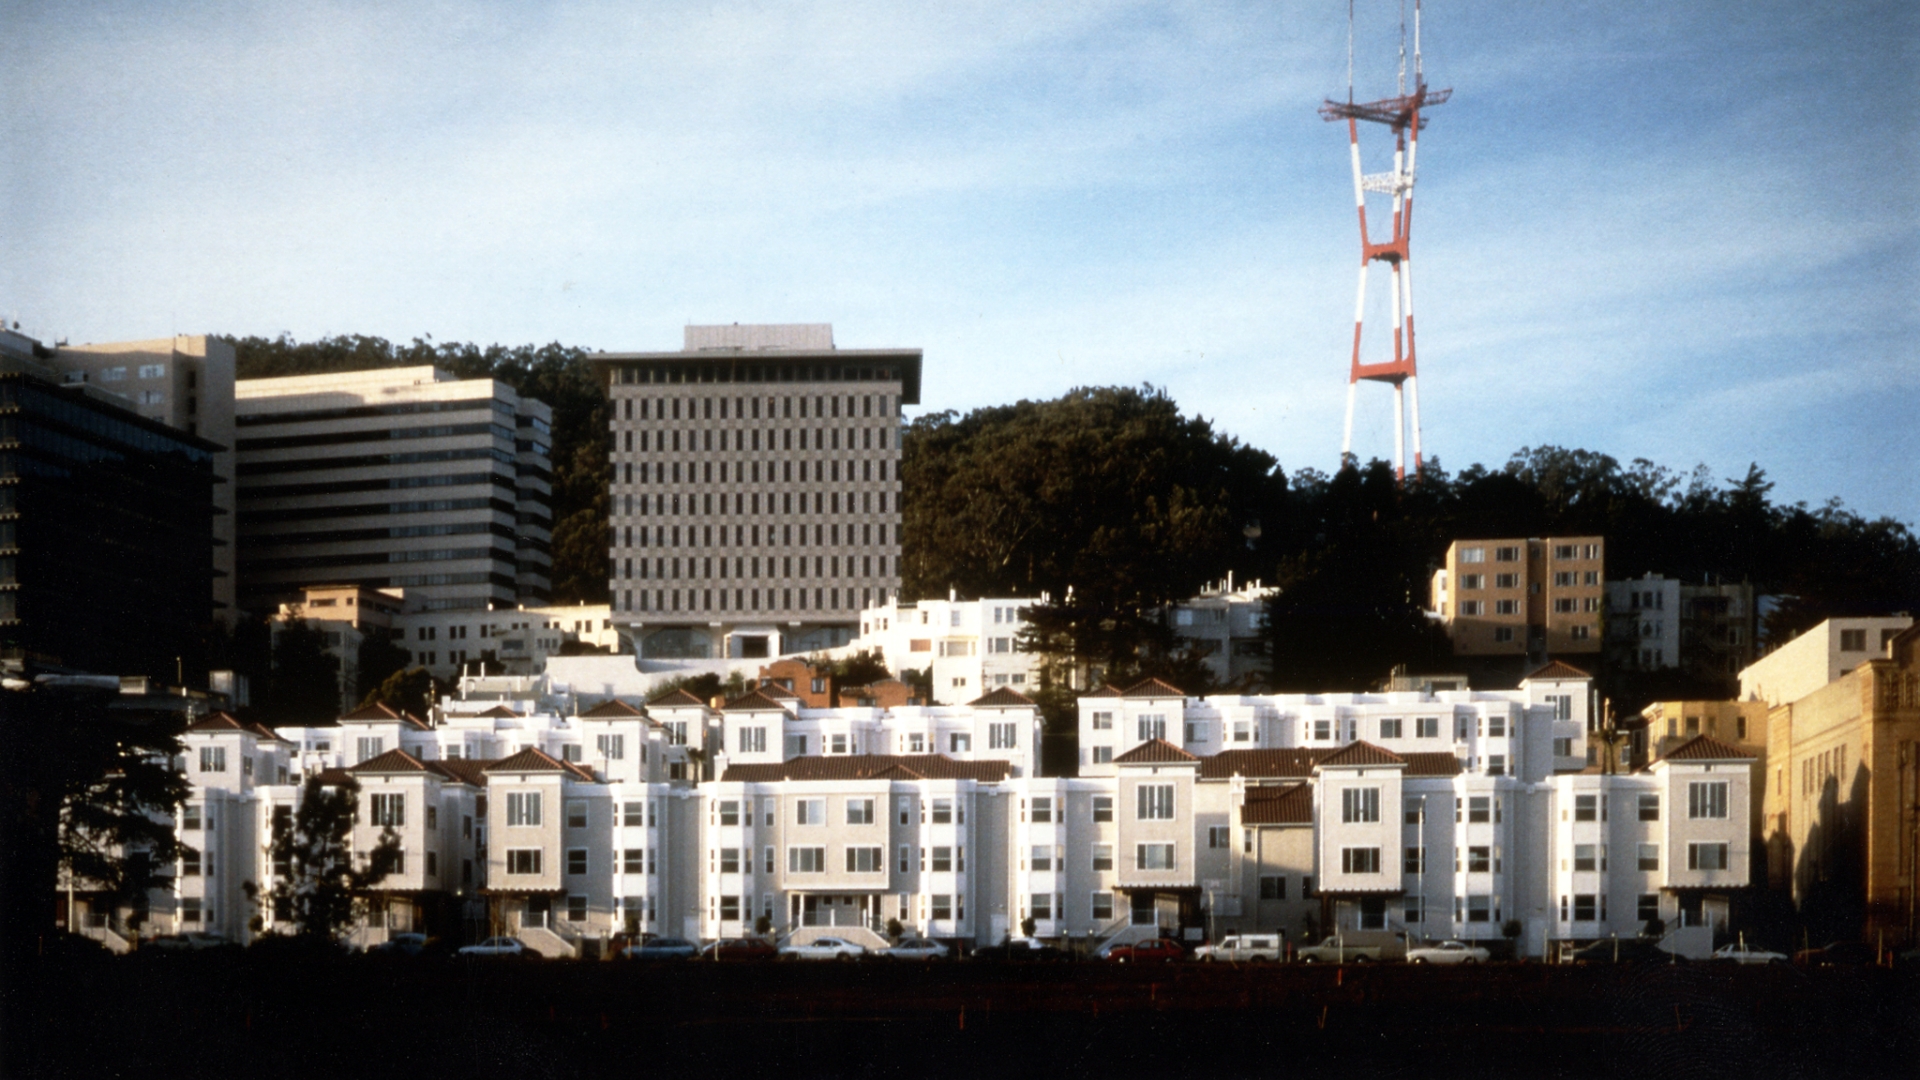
[{"x": 242, "y": 1015}]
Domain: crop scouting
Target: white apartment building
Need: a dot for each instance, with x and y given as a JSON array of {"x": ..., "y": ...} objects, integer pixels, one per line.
[
  {"x": 969, "y": 646},
  {"x": 1643, "y": 622},
  {"x": 756, "y": 489},
  {"x": 396, "y": 478},
  {"x": 1818, "y": 657},
  {"x": 1225, "y": 624}
]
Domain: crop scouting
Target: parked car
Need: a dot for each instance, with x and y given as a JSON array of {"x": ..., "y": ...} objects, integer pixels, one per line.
[
  {"x": 917, "y": 949},
  {"x": 1626, "y": 951},
  {"x": 751, "y": 948},
  {"x": 1738, "y": 953},
  {"x": 507, "y": 947},
  {"x": 824, "y": 948},
  {"x": 1247, "y": 948},
  {"x": 191, "y": 941},
  {"x": 1149, "y": 951},
  {"x": 401, "y": 945},
  {"x": 1838, "y": 954},
  {"x": 1447, "y": 952},
  {"x": 661, "y": 948},
  {"x": 1356, "y": 947},
  {"x": 1021, "y": 950}
]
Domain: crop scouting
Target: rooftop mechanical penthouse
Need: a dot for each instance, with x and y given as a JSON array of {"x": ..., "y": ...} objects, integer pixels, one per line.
[{"x": 756, "y": 489}]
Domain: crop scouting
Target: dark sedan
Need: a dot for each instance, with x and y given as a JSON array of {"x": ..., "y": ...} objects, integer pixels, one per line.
[{"x": 1626, "y": 951}]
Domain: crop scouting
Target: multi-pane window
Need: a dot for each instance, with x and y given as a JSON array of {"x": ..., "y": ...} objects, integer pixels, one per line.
[
  {"x": 1153, "y": 856},
  {"x": 189, "y": 862},
  {"x": 190, "y": 816},
  {"x": 752, "y": 740},
  {"x": 1427, "y": 727},
  {"x": 1103, "y": 856},
  {"x": 865, "y": 860},
  {"x": 1707, "y": 799},
  {"x": 1586, "y": 857},
  {"x": 1586, "y": 907},
  {"x": 1103, "y": 808},
  {"x": 1154, "y": 802},
  {"x": 1002, "y": 736},
  {"x": 1586, "y": 808},
  {"x": 1415, "y": 861},
  {"x": 1649, "y": 808},
  {"x": 859, "y": 811},
  {"x": 370, "y": 747},
  {"x": 1479, "y": 859},
  {"x": 1152, "y": 726},
  {"x": 1273, "y": 887},
  {"x": 806, "y": 860},
  {"x": 1648, "y": 907},
  {"x": 1360, "y": 860},
  {"x": 942, "y": 860},
  {"x": 611, "y": 747},
  {"x": 1043, "y": 810},
  {"x": 810, "y": 811},
  {"x": 1360, "y": 805},
  {"x": 729, "y": 811},
  {"x": 576, "y": 861},
  {"x": 1041, "y": 905},
  {"x": 940, "y": 906},
  {"x": 523, "y": 808},
  {"x": 633, "y": 814},
  {"x": 576, "y": 813},
  {"x": 1322, "y": 730},
  {"x": 1219, "y": 837},
  {"x": 213, "y": 759},
  {"x": 1649, "y": 856},
  {"x": 389, "y": 809},
  {"x": 1390, "y": 728},
  {"x": 1103, "y": 721},
  {"x": 1102, "y": 906},
  {"x": 633, "y": 860},
  {"x": 1041, "y": 857},
  {"x": 1480, "y": 808},
  {"x": 523, "y": 860},
  {"x": 1707, "y": 856}
]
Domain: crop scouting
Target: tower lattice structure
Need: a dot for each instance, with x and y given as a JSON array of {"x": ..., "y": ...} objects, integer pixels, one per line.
[{"x": 1402, "y": 115}]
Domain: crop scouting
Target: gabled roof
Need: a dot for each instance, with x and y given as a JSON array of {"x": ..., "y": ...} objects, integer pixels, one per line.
[
  {"x": 673, "y": 699},
  {"x": 224, "y": 721},
  {"x": 1277, "y": 762},
  {"x": 1104, "y": 691},
  {"x": 1705, "y": 748},
  {"x": 1273, "y": 805},
  {"x": 1432, "y": 763},
  {"x": 472, "y": 771},
  {"x": 1153, "y": 688},
  {"x": 1556, "y": 669},
  {"x": 1361, "y": 753},
  {"x": 1152, "y": 752},
  {"x": 335, "y": 777},
  {"x": 754, "y": 701},
  {"x": 381, "y": 712},
  {"x": 533, "y": 759},
  {"x": 393, "y": 761},
  {"x": 870, "y": 767},
  {"x": 500, "y": 712},
  {"x": 777, "y": 692},
  {"x": 1002, "y": 698},
  {"x": 615, "y": 709}
]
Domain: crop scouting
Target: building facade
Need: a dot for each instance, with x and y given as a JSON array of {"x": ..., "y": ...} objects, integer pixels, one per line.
[
  {"x": 756, "y": 489},
  {"x": 1532, "y": 598},
  {"x": 399, "y": 478},
  {"x": 1819, "y": 657}
]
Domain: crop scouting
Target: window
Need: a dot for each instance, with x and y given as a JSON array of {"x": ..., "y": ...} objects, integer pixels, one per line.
[
  {"x": 1002, "y": 736},
  {"x": 1360, "y": 860},
  {"x": 369, "y": 748},
  {"x": 837, "y": 744},
  {"x": 1103, "y": 808},
  {"x": 1706, "y": 856},
  {"x": 1503, "y": 634},
  {"x": 1649, "y": 856},
  {"x": 190, "y": 909},
  {"x": 1322, "y": 730},
  {"x": 865, "y": 860},
  {"x": 1649, "y": 808},
  {"x": 1853, "y": 641},
  {"x": 1427, "y": 727},
  {"x": 576, "y": 861},
  {"x": 942, "y": 811},
  {"x": 1496, "y": 764},
  {"x": 1586, "y": 907},
  {"x": 958, "y": 743},
  {"x": 730, "y": 908},
  {"x": 1102, "y": 906},
  {"x": 1103, "y": 856},
  {"x": 1219, "y": 837},
  {"x": 523, "y": 861},
  {"x": 1103, "y": 721},
  {"x": 1360, "y": 805},
  {"x": 1153, "y": 856},
  {"x": 190, "y": 815},
  {"x": 1506, "y": 607},
  {"x": 1479, "y": 909},
  {"x": 810, "y": 811},
  {"x": 1273, "y": 887},
  {"x": 1480, "y": 809},
  {"x": 1563, "y": 746},
  {"x": 1154, "y": 802},
  {"x": 1472, "y": 581},
  {"x": 1041, "y": 857},
  {"x": 189, "y": 862},
  {"x": 1506, "y": 581},
  {"x": 1043, "y": 810},
  {"x": 1473, "y": 555},
  {"x": 729, "y": 860},
  {"x": 1102, "y": 755},
  {"x": 1415, "y": 861},
  {"x": 576, "y": 813},
  {"x": 753, "y": 740},
  {"x": 1584, "y": 857},
  {"x": 1648, "y": 907},
  {"x": 1586, "y": 808},
  {"x": 389, "y": 810},
  {"x": 1479, "y": 859},
  {"x": 859, "y": 811},
  {"x": 942, "y": 860},
  {"x": 611, "y": 747},
  {"x": 729, "y": 811},
  {"x": 1041, "y": 905},
  {"x": 1707, "y": 799},
  {"x": 1390, "y": 728},
  {"x": 523, "y": 808},
  {"x": 1506, "y": 554},
  {"x": 941, "y": 906},
  {"x": 806, "y": 860},
  {"x": 633, "y": 861},
  {"x": 1153, "y": 726},
  {"x": 213, "y": 759},
  {"x": 633, "y": 814}
]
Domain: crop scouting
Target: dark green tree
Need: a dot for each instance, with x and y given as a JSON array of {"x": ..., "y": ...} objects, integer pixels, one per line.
[
  {"x": 409, "y": 690},
  {"x": 322, "y": 891},
  {"x": 304, "y": 687},
  {"x": 376, "y": 660}
]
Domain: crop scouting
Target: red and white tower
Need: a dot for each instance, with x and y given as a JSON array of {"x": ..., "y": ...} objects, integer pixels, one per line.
[{"x": 1401, "y": 114}]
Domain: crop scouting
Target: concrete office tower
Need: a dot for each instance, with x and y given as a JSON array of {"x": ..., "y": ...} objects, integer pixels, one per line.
[
  {"x": 185, "y": 382},
  {"x": 402, "y": 478},
  {"x": 756, "y": 489}
]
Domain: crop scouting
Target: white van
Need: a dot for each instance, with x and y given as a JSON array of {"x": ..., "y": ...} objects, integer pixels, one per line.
[{"x": 1248, "y": 948}]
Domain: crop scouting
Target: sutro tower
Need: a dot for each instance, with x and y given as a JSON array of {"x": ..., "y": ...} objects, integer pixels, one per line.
[{"x": 1402, "y": 114}]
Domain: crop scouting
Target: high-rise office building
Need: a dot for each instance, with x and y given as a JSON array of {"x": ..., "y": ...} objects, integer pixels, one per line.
[
  {"x": 756, "y": 489},
  {"x": 398, "y": 478},
  {"x": 185, "y": 382}
]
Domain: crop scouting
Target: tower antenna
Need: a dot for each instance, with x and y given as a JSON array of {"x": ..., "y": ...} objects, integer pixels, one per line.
[{"x": 1401, "y": 114}]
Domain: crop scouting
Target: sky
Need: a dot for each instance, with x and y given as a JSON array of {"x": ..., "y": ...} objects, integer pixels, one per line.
[{"x": 1680, "y": 232}]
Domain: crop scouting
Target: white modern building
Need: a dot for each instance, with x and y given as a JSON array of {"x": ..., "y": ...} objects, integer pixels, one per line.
[
  {"x": 1818, "y": 657},
  {"x": 969, "y": 647},
  {"x": 1643, "y": 622}
]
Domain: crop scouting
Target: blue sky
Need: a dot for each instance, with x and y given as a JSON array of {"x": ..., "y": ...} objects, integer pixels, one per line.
[{"x": 1681, "y": 232}]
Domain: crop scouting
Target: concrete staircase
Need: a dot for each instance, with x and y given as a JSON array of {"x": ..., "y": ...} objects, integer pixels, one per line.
[{"x": 546, "y": 943}]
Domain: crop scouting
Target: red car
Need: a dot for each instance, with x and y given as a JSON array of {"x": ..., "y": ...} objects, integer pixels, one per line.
[{"x": 1151, "y": 951}]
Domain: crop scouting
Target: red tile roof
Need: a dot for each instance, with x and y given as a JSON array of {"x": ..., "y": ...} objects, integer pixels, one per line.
[
  {"x": 754, "y": 701},
  {"x": 1153, "y": 688},
  {"x": 533, "y": 759},
  {"x": 1154, "y": 751},
  {"x": 1361, "y": 753},
  {"x": 1274, "y": 805},
  {"x": 472, "y": 771},
  {"x": 1432, "y": 763},
  {"x": 375, "y": 711},
  {"x": 1705, "y": 748},
  {"x": 615, "y": 709},
  {"x": 1556, "y": 669},
  {"x": 393, "y": 761},
  {"x": 1288, "y": 762},
  {"x": 500, "y": 712},
  {"x": 675, "y": 698},
  {"x": 1104, "y": 691},
  {"x": 870, "y": 767},
  {"x": 1002, "y": 698}
]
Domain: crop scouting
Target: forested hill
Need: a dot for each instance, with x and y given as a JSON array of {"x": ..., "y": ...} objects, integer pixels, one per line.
[{"x": 1117, "y": 494}]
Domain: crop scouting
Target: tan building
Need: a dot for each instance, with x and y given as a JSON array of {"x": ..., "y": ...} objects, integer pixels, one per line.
[
  {"x": 1842, "y": 775},
  {"x": 185, "y": 382},
  {"x": 1818, "y": 657},
  {"x": 1523, "y": 597}
]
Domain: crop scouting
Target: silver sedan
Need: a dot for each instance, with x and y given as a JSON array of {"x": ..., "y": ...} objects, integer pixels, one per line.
[{"x": 1448, "y": 952}]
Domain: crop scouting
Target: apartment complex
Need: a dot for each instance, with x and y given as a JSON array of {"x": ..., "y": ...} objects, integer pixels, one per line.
[
  {"x": 185, "y": 382},
  {"x": 966, "y": 646},
  {"x": 106, "y": 526},
  {"x": 1843, "y": 764},
  {"x": 1519, "y": 597},
  {"x": 1656, "y": 623},
  {"x": 756, "y": 489},
  {"x": 399, "y": 478},
  {"x": 1818, "y": 657}
]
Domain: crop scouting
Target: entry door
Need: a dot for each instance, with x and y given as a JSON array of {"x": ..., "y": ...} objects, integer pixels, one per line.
[{"x": 1144, "y": 910}]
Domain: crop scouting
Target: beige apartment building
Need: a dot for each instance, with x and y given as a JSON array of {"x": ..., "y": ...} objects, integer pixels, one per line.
[
  {"x": 756, "y": 489},
  {"x": 186, "y": 382},
  {"x": 1519, "y": 597},
  {"x": 402, "y": 478},
  {"x": 1818, "y": 657}
]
